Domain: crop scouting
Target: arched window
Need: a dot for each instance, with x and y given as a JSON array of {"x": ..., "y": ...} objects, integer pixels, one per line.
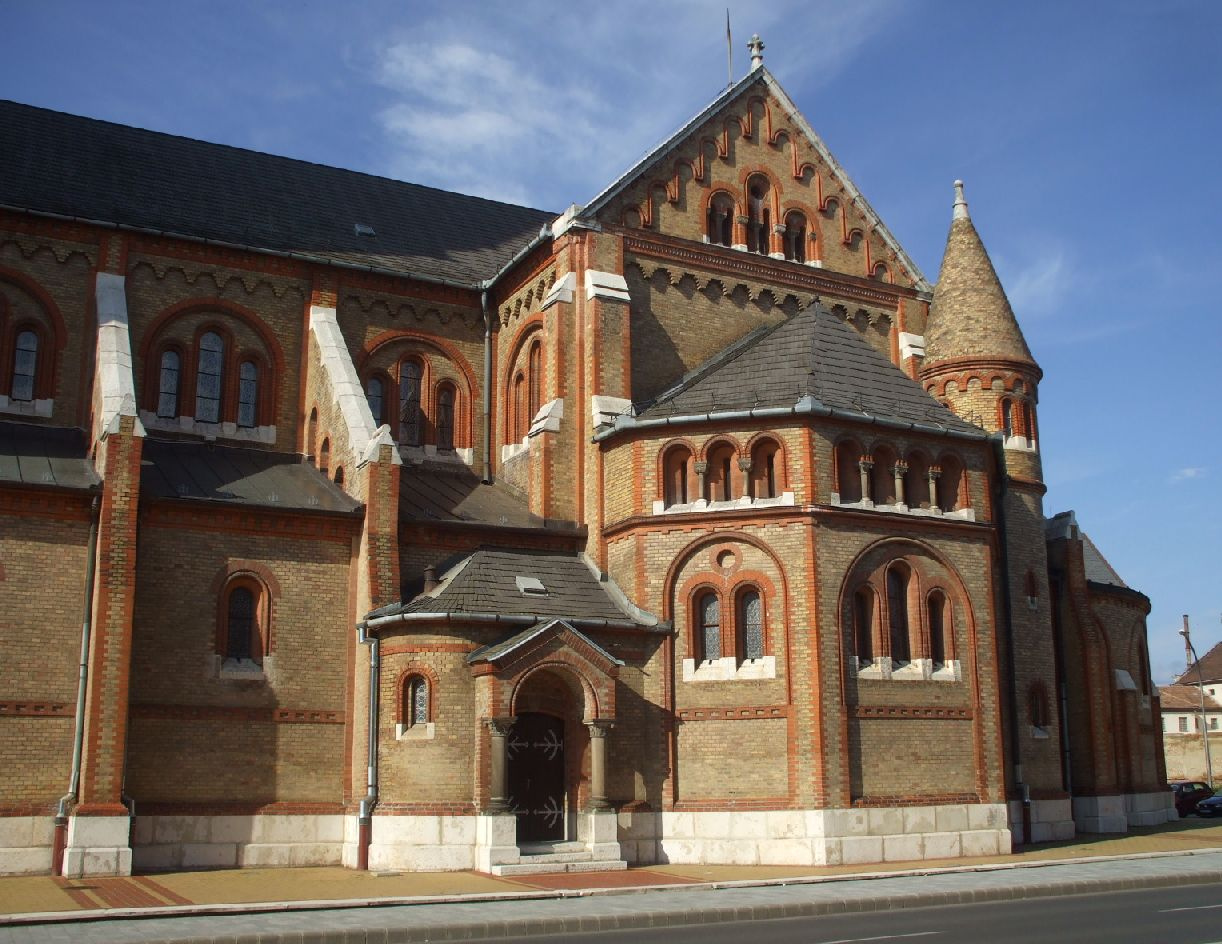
[
  {"x": 863, "y": 625},
  {"x": 750, "y": 625},
  {"x": 765, "y": 474},
  {"x": 759, "y": 219},
  {"x": 409, "y": 403},
  {"x": 534, "y": 368},
  {"x": 949, "y": 483},
  {"x": 1007, "y": 417},
  {"x": 445, "y": 417},
  {"x": 208, "y": 378},
  {"x": 720, "y": 223},
  {"x": 719, "y": 474},
  {"x": 676, "y": 472},
  {"x": 1028, "y": 417},
  {"x": 708, "y": 635},
  {"x": 416, "y": 702},
  {"x": 521, "y": 407},
  {"x": 880, "y": 272},
  {"x": 882, "y": 476},
  {"x": 324, "y": 456},
  {"x": 169, "y": 379},
  {"x": 375, "y": 393},
  {"x": 242, "y": 639},
  {"x": 795, "y": 236},
  {"x": 939, "y": 628},
  {"x": 848, "y": 471},
  {"x": 25, "y": 366},
  {"x": 339, "y": 475},
  {"x": 312, "y": 433},
  {"x": 1037, "y": 706},
  {"x": 248, "y": 394},
  {"x": 897, "y": 615}
]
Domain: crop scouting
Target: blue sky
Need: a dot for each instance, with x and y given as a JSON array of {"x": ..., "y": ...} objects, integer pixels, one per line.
[{"x": 1088, "y": 134}]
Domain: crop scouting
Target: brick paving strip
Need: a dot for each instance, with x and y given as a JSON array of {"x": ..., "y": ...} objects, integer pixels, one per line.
[{"x": 469, "y": 917}]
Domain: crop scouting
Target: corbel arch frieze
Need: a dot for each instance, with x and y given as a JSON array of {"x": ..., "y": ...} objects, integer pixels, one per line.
[
  {"x": 250, "y": 283},
  {"x": 703, "y": 281},
  {"x": 403, "y": 310},
  {"x": 29, "y": 248}
]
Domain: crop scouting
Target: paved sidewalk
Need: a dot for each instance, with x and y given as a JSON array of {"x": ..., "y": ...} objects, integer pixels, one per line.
[{"x": 325, "y": 905}]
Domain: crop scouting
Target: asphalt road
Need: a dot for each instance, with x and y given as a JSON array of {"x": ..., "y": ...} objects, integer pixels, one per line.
[{"x": 1185, "y": 915}]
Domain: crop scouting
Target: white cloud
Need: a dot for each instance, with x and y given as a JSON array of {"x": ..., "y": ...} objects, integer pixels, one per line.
[
  {"x": 1041, "y": 287},
  {"x": 1188, "y": 472}
]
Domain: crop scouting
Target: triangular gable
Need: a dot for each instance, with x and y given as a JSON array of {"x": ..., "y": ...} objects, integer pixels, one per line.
[
  {"x": 656, "y": 171},
  {"x": 521, "y": 644}
]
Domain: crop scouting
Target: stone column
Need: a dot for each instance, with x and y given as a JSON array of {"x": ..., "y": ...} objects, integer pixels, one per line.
[
  {"x": 498, "y": 730},
  {"x": 740, "y": 232},
  {"x": 865, "y": 464},
  {"x": 702, "y": 468},
  {"x": 776, "y": 247},
  {"x": 598, "y": 764},
  {"x": 898, "y": 471},
  {"x": 744, "y": 466},
  {"x": 935, "y": 473}
]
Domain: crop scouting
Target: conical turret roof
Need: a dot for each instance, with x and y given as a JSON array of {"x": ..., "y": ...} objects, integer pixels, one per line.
[{"x": 970, "y": 315}]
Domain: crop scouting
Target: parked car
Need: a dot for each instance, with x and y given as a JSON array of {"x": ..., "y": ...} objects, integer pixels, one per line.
[
  {"x": 1210, "y": 806},
  {"x": 1188, "y": 793}
]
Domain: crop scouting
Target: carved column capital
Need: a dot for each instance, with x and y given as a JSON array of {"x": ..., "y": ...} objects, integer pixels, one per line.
[
  {"x": 500, "y": 726},
  {"x": 600, "y": 726},
  {"x": 744, "y": 464},
  {"x": 866, "y": 463},
  {"x": 701, "y": 467}
]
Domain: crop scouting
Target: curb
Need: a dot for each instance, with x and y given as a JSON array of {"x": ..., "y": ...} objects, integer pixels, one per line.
[{"x": 516, "y": 927}]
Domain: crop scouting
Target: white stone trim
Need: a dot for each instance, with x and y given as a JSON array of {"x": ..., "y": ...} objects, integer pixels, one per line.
[
  {"x": 416, "y": 732},
  {"x": 114, "y": 386},
  {"x": 417, "y": 454},
  {"x": 510, "y": 450},
  {"x": 911, "y": 345},
  {"x": 604, "y": 409},
  {"x": 729, "y": 669},
  {"x": 210, "y": 431},
  {"x": 914, "y": 670},
  {"x": 547, "y": 420},
  {"x": 1018, "y": 443},
  {"x": 40, "y": 408},
  {"x": 564, "y": 222},
  {"x": 1051, "y": 820},
  {"x": 961, "y": 514},
  {"x": 25, "y": 844},
  {"x": 607, "y": 286},
  {"x": 258, "y": 841},
  {"x": 562, "y": 290},
  {"x": 661, "y": 508},
  {"x": 98, "y": 845}
]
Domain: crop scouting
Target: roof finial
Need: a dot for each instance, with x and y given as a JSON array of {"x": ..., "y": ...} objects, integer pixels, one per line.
[
  {"x": 960, "y": 202},
  {"x": 756, "y": 45}
]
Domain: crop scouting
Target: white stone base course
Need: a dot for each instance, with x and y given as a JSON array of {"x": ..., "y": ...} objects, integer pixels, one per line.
[
  {"x": 26, "y": 844},
  {"x": 1051, "y": 820},
  {"x": 1115, "y": 814},
  {"x": 815, "y": 837},
  {"x": 212, "y": 842},
  {"x": 98, "y": 845}
]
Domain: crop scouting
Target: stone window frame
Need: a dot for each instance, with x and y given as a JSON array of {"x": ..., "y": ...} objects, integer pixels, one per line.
[
  {"x": 48, "y": 327},
  {"x": 256, "y": 666},
  {"x": 729, "y": 591},
  {"x": 406, "y": 728}
]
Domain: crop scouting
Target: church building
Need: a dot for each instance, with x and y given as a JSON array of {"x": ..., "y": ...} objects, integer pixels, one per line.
[{"x": 350, "y": 521}]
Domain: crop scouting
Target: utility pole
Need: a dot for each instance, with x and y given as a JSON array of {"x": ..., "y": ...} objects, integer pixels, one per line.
[{"x": 1191, "y": 655}]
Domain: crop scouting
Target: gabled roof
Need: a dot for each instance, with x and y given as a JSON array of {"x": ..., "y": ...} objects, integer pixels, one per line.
[
  {"x": 98, "y": 171},
  {"x": 812, "y": 356},
  {"x": 1209, "y": 666},
  {"x": 500, "y": 650},
  {"x": 485, "y": 583},
  {"x": 760, "y": 76},
  {"x": 45, "y": 455},
  {"x": 1185, "y": 698},
  {"x": 451, "y": 491},
  {"x": 235, "y": 475}
]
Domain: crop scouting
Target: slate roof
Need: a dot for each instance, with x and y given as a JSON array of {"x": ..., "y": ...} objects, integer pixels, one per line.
[
  {"x": 1185, "y": 698},
  {"x": 485, "y": 582},
  {"x": 45, "y": 455},
  {"x": 95, "y": 170},
  {"x": 453, "y": 492},
  {"x": 811, "y": 354},
  {"x": 1210, "y": 667},
  {"x": 1098, "y": 570},
  {"x": 234, "y": 475},
  {"x": 516, "y": 640}
]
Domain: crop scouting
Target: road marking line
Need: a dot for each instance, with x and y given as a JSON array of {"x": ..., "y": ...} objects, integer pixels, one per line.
[
  {"x": 882, "y": 937},
  {"x": 1193, "y": 908}
]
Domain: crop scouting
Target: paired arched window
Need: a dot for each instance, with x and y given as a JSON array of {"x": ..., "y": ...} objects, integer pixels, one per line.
[
  {"x": 759, "y": 215},
  {"x": 894, "y": 615},
  {"x": 419, "y": 409},
  {"x": 711, "y": 634},
  {"x": 720, "y": 222}
]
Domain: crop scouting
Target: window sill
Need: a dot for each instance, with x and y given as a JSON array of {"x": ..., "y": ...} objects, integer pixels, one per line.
[
  {"x": 188, "y": 424},
  {"x": 416, "y": 732},
  {"x": 242, "y": 670},
  {"x": 729, "y": 669},
  {"x": 918, "y": 670},
  {"x": 961, "y": 514},
  {"x": 1020, "y": 444},
  {"x": 700, "y": 505},
  {"x": 41, "y": 408},
  {"x": 1039, "y": 733},
  {"x": 418, "y": 454}
]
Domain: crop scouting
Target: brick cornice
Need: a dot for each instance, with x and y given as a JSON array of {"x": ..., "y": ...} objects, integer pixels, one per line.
[{"x": 210, "y": 516}]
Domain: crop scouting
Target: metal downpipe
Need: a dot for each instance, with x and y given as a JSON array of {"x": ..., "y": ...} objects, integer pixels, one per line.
[
  {"x": 369, "y": 801},
  {"x": 483, "y": 304}
]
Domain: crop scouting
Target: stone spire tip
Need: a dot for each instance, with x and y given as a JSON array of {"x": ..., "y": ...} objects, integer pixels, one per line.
[
  {"x": 960, "y": 202},
  {"x": 756, "y": 46}
]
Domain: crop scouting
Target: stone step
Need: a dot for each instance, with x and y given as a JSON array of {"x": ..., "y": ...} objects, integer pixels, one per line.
[
  {"x": 530, "y": 866},
  {"x": 550, "y": 848}
]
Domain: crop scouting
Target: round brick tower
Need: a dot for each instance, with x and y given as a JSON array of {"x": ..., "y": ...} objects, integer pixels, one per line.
[{"x": 976, "y": 359}]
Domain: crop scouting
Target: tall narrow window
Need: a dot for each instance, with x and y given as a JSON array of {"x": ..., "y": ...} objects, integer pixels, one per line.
[
  {"x": 312, "y": 433},
  {"x": 535, "y": 373},
  {"x": 248, "y": 394},
  {"x": 676, "y": 466},
  {"x": 239, "y": 635},
  {"x": 897, "y": 616},
  {"x": 208, "y": 378},
  {"x": 25, "y": 366},
  {"x": 719, "y": 476},
  {"x": 751, "y": 625},
  {"x": 167, "y": 394},
  {"x": 1028, "y": 422},
  {"x": 445, "y": 418},
  {"x": 759, "y": 222},
  {"x": 795, "y": 237},
  {"x": 720, "y": 223},
  {"x": 949, "y": 481},
  {"x": 417, "y": 701},
  {"x": 409, "y": 403},
  {"x": 764, "y": 470},
  {"x": 521, "y": 424},
  {"x": 1007, "y": 418},
  {"x": 863, "y": 626},
  {"x": 709, "y": 637},
  {"x": 937, "y": 629},
  {"x": 375, "y": 393},
  {"x": 324, "y": 456}
]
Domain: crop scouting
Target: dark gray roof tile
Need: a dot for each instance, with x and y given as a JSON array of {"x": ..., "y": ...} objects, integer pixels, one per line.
[
  {"x": 451, "y": 491},
  {"x": 45, "y": 455}
]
